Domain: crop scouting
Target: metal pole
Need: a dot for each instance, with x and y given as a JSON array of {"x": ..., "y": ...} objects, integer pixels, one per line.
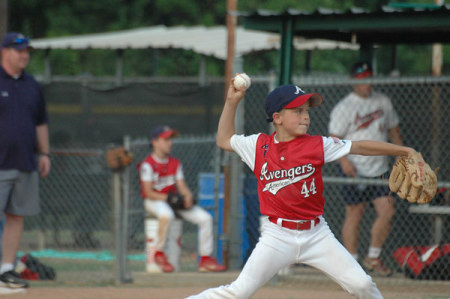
[
  {"x": 119, "y": 67},
  {"x": 437, "y": 55},
  {"x": 47, "y": 67},
  {"x": 126, "y": 275},
  {"x": 86, "y": 108},
  {"x": 436, "y": 106},
  {"x": 115, "y": 190},
  {"x": 308, "y": 58},
  {"x": 272, "y": 84},
  {"x": 393, "y": 58},
  {"x": 231, "y": 26},
  {"x": 202, "y": 71},
  {"x": 217, "y": 175},
  {"x": 367, "y": 52},
  {"x": 231, "y": 29},
  {"x": 286, "y": 52},
  {"x": 236, "y": 174}
]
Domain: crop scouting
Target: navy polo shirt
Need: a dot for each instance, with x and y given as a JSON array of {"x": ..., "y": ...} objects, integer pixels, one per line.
[{"x": 22, "y": 108}]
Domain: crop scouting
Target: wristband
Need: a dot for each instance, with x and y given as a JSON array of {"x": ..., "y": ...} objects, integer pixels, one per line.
[{"x": 45, "y": 154}]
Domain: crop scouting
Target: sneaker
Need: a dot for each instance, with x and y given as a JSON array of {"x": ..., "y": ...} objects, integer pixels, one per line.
[
  {"x": 8, "y": 291},
  {"x": 12, "y": 280},
  {"x": 162, "y": 262},
  {"x": 209, "y": 264},
  {"x": 376, "y": 266}
]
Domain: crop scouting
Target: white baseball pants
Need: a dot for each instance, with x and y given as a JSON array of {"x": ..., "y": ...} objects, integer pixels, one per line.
[
  {"x": 279, "y": 247},
  {"x": 196, "y": 215}
]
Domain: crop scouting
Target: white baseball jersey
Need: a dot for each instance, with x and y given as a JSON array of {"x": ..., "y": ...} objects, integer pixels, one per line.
[{"x": 356, "y": 118}]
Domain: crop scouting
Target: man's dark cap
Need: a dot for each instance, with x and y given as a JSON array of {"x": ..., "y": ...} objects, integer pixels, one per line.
[
  {"x": 16, "y": 40},
  {"x": 361, "y": 69}
]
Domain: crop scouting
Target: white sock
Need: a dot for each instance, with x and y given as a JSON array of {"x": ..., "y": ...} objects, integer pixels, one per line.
[
  {"x": 374, "y": 252},
  {"x": 6, "y": 267}
]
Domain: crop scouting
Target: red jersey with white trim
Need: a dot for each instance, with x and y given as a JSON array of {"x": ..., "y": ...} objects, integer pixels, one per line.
[
  {"x": 290, "y": 177},
  {"x": 162, "y": 173},
  {"x": 289, "y": 174}
]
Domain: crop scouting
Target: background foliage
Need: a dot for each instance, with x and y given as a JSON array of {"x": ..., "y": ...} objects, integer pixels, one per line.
[{"x": 52, "y": 18}]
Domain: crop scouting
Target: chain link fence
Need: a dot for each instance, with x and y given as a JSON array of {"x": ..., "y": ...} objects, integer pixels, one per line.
[
  {"x": 93, "y": 113},
  {"x": 73, "y": 233},
  {"x": 75, "y": 230}
]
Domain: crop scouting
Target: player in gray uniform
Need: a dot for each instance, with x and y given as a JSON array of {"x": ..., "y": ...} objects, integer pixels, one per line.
[{"x": 366, "y": 115}]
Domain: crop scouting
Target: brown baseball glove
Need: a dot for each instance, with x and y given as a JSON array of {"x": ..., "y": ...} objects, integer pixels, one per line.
[
  {"x": 117, "y": 158},
  {"x": 412, "y": 178}
]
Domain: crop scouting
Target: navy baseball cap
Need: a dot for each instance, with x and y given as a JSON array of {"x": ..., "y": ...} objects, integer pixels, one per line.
[
  {"x": 361, "y": 69},
  {"x": 163, "y": 132},
  {"x": 289, "y": 96},
  {"x": 16, "y": 40}
]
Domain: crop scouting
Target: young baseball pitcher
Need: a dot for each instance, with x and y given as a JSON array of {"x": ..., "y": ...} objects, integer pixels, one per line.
[{"x": 288, "y": 167}]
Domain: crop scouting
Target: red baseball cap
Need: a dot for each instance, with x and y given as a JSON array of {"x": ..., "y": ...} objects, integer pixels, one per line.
[{"x": 163, "y": 132}]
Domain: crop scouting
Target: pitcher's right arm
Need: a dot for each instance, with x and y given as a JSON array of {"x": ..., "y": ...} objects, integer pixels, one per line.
[{"x": 226, "y": 127}]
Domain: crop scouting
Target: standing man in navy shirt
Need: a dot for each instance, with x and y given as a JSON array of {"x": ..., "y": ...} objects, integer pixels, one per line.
[{"x": 24, "y": 149}]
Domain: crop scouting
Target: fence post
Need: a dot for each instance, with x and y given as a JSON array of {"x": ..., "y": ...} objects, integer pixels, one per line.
[
  {"x": 236, "y": 171},
  {"x": 126, "y": 274},
  {"x": 115, "y": 190},
  {"x": 217, "y": 172},
  {"x": 120, "y": 195}
]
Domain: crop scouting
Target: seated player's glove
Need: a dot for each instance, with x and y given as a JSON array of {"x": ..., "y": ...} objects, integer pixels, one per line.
[
  {"x": 175, "y": 201},
  {"x": 117, "y": 158},
  {"x": 412, "y": 178}
]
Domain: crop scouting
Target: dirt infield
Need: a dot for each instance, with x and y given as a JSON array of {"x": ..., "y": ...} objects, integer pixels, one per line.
[
  {"x": 159, "y": 293},
  {"x": 182, "y": 292},
  {"x": 180, "y": 285}
]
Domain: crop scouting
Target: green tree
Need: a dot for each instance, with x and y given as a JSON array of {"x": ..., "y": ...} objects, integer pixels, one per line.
[{"x": 52, "y": 18}]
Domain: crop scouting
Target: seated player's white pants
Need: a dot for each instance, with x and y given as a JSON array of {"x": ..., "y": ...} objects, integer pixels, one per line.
[
  {"x": 196, "y": 215},
  {"x": 279, "y": 247}
]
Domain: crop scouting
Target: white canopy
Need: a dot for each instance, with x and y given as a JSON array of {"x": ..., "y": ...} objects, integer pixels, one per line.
[{"x": 210, "y": 41}]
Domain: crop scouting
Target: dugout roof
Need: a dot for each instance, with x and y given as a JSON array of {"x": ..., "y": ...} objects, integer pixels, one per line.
[
  {"x": 209, "y": 41},
  {"x": 394, "y": 24}
]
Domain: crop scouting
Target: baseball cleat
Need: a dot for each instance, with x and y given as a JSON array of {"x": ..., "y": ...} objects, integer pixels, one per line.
[
  {"x": 376, "y": 267},
  {"x": 162, "y": 262},
  {"x": 153, "y": 268},
  {"x": 209, "y": 264}
]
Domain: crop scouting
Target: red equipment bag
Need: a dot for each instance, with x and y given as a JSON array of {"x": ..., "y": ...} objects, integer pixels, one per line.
[
  {"x": 425, "y": 262},
  {"x": 35, "y": 270}
]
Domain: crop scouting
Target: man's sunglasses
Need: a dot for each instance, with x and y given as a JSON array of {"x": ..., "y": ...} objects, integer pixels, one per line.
[{"x": 21, "y": 40}]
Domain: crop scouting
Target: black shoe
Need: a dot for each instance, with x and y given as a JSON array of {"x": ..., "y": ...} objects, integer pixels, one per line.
[{"x": 12, "y": 280}]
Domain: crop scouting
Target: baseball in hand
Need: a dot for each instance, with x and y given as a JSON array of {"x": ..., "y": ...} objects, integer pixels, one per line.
[{"x": 242, "y": 81}]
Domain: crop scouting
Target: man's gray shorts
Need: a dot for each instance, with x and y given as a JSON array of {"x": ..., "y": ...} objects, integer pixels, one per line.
[{"x": 19, "y": 192}]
